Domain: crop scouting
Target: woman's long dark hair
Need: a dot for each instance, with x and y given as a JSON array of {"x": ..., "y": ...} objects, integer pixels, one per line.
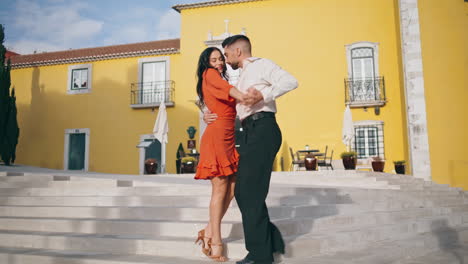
[{"x": 203, "y": 65}]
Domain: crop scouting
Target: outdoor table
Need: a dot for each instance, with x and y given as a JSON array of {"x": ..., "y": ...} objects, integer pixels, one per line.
[
  {"x": 318, "y": 154},
  {"x": 308, "y": 151}
]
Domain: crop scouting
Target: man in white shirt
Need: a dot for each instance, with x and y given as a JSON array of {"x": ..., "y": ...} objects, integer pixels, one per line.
[{"x": 263, "y": 81}]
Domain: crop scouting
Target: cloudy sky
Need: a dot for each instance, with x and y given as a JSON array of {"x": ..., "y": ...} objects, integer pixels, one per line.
[{"x": 51, "y": 25}]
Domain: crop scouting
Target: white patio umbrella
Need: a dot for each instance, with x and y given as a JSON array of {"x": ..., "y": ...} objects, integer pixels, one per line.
[
  {"x": 348, "y": 128},
  {"x": 160, "y": 131}
]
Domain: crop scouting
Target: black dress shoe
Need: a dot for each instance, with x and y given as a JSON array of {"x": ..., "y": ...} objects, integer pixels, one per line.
[{"x": 249, "y": 261}]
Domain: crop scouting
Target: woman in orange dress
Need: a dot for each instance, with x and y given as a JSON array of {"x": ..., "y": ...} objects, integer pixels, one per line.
[{"x": 218, "y": 155}]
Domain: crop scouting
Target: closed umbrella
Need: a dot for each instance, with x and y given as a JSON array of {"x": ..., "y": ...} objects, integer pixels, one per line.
[
  {"x": 160, "y": 131},
  {"x": 161, "y": 127},
  {"x": 348, "y": 128}
]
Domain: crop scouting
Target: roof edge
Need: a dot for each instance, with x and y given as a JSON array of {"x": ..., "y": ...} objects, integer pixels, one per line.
[
  {"x": 166, "y": 51},
  {"x": 181, "y": 7}
]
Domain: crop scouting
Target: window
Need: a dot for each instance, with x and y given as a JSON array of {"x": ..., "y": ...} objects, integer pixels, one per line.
[
  {"x": 368, "y": 139},
  {"x": 364, "y": 86},
  {"x": 79, "y": 79},
  {"x": 153, "y": 84}
]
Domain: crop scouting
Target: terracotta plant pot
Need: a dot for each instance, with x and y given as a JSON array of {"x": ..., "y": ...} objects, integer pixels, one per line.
[
  {"x": 400, "y": 169},
  {"x": 349, "y": 163},
  {"x": 378, "y": 166},
  {"x": 151, "y": 166},
  {"x": 310, "y": 162}
]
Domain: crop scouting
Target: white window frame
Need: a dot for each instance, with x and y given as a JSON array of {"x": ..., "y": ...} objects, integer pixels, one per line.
[
  {"x": 380, "y": 134},
  {"x": 70, "y": 89},
  {"x": 357, "y": 45},
  {"x": 86, "y": 131},
  {"x": 362, "y": 44},
  {"x": 167, "y": 61}
]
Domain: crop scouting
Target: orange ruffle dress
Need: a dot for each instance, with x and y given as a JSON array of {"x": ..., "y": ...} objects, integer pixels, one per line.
[{"x": 218, "y": 154}]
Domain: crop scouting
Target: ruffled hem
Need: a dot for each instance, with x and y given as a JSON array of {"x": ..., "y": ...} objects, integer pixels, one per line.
[{"x": 208, "y": 171}]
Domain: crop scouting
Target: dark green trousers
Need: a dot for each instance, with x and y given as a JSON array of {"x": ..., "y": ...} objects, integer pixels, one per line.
[{"x": 259, "y": 145}]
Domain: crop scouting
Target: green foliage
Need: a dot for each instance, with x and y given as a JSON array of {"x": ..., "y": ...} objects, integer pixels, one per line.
[
  {"x": 399, "y": 162},
  {"x": 348, "y": 154},
  {"x": 9, "y": 131},
  {"x": 188, "y": 159}
]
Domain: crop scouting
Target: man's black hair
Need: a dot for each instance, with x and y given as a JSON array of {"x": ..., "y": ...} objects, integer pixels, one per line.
[{"x": 232, "y": 39}]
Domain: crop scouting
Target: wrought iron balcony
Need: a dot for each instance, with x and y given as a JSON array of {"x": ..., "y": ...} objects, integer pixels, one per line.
[
  {"x": 151, "y": 94},
  {"x": 365, "y": 92}
]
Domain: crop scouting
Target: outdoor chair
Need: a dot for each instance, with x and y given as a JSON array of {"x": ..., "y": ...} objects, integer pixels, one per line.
[
  {"x": 296, "y": 163},
  {"x": 322, "y": 160},
  {"x": 327, "y": 161}
]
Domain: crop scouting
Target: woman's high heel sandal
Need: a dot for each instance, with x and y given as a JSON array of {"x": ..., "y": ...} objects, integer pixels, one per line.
[
  {"x": 201, "y": 239},
  {"x": 218, "y": 258}
]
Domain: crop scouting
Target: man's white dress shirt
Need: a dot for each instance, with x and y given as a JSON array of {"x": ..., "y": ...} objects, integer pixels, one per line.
[{"x": 269, "y": 79}]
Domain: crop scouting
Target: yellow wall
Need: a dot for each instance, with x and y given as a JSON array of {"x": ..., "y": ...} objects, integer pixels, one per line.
[
  {"x": 308, "y": 39},
  {"x": 444, "y": 36},
  {"x": 45, "y": 110}
]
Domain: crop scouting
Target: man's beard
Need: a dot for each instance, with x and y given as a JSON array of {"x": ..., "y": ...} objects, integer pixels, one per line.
[{"x": 234, "y": 65}]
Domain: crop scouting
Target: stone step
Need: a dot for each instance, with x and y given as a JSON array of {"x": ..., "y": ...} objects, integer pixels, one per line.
[
  {"x": 307, "y": 220},
  {"x": 348, "y": 213},
  {"x": 195, "y": 190},
  {"x": 300, "y": 178},
  {"x": 178, "y": 201},
  {"x": 42, "y": 256},
  {"x": 136, "y": 213},
  {"x": 183, "y": 247},
  {"x": 362, "y": 238},
  {"x": 131, "y": 244},
  {"x": 425, "y": 248},
  {"x": 378, "y": 203}
]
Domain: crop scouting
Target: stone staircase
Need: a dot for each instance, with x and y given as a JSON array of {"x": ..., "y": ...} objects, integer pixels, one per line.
[{"x": 325, "y": 217}]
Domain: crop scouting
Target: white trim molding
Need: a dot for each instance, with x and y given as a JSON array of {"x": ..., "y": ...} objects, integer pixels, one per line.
[
  {"x": 167, "y": 61},
  {"x": 89, "y": 68},
  {"x": 363, "y": 44},
  {"x": 142, "y": 151},
  {"x": 380, "y": 135},
  {"x": 181, "y": 7},
  {"x": 85, "y": 131},
  {"x": 414, "y": 90},
  {"x": 375, "y": 49},
  {"x": 154, "y": 59},
  {"x": 110, "y": 56}
]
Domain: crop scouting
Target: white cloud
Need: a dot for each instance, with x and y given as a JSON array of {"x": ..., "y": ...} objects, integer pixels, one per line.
[
  {"x": 56, "y": 26},
  {"x": 168, "y": 26},
  {"x": 30, "y": 46}
]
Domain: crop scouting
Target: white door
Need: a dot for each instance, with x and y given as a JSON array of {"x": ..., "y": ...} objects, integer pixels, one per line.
[
  {"x": 363, "y": 75},
  {"x": 153, "y": 84}
]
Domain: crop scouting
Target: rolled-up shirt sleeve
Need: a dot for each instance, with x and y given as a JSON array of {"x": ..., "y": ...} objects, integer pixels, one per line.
[
  {"x": 217, "y": 86},
  {"x": 280, "y": 81}
]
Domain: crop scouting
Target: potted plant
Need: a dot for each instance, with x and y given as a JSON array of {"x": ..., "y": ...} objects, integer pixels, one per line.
[
  {"x": 349, "y": 160},
  {"x": 151, "y": 166},
  {"x": 310, "y": 162},
  {"x": 378, "y": 164},
  {"x": 188, "y": 164},
  {"x": 399, "y": 166}
]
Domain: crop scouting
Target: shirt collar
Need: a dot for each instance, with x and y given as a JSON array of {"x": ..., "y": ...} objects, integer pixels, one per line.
[{"x": 248, "y": 61}]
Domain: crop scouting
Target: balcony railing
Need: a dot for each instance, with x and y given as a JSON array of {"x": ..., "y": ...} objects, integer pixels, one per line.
[
  {"x": 151, "y": 94},
  {"x": 365, "y": 92}
]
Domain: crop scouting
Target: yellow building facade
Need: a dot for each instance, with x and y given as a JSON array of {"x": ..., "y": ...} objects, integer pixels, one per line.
[{"x": 342, "y": 52}]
